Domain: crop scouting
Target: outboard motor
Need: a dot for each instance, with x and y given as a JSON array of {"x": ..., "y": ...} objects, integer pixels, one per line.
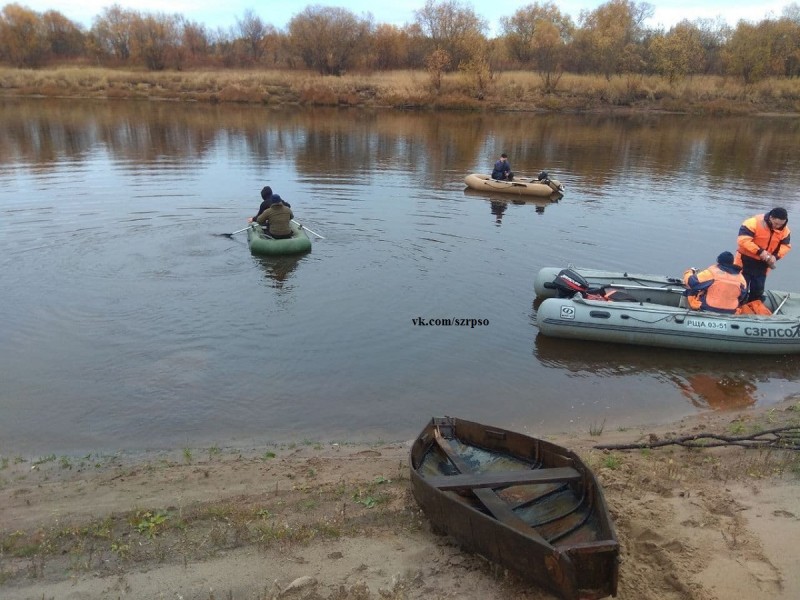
[
  {"x": 568, "y": 283},
  {"x": 555, "y": 185}
]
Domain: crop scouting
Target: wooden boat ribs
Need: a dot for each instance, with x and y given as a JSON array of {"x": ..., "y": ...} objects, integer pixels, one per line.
[{"x": 525, "y": 503}]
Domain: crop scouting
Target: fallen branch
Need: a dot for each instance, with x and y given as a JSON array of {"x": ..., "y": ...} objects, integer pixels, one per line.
[{"x": 781, "y": 438}]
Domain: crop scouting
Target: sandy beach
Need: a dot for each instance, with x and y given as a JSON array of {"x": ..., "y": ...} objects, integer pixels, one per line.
[{"x": 338, "y": 521}]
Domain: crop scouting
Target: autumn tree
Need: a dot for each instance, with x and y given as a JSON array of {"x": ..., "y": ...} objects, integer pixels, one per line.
[
  {"x": 65, "y": 39},
  {"x": 452, "y": 27},
  {"x": 784, "y": 38},
  {"x": 254, "y": 34},
  {"x": 389, "y": 47},
  {"x": 328, "y": 39},
  {"x": 195, "y": 43},
  {"x": 713, "y": 37},
  {"x": 537, "y": 36},
  {"x": 677, "y": 53},
  {"x": 155, "y": 40},
  {"x": 112, "y": 31},
  {"x": 437, "y": 62},
  {"x": 748, "y": 53},
  {"x": 609, "y": 39},
  {"x": 23, "y": 38},
  {"x": 417, "y": 46}
]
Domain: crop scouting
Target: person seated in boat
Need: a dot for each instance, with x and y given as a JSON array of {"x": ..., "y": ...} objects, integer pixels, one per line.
[
  {"x": 502, "y": 169},
  {"x": 266, "y": 201},
  {"x": 277, "y": 219},
  {"x": 718, "y": 288}
]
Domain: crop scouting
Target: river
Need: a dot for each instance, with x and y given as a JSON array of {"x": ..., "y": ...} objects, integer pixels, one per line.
[{"x": 128, "y": 321}]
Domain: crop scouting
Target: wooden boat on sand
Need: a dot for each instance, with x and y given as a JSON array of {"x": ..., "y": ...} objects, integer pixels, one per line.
[
  {"x": 527, "y": 504},
  {"x": 651, "y": 310},
  {"x": 523, "y": 186}
]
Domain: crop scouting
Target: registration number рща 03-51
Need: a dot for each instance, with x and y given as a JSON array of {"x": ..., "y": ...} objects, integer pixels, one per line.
[{"x": 703, "y": 324}]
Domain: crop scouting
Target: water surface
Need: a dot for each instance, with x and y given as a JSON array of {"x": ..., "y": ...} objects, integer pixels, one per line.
[{"x": 128, "y": 322}]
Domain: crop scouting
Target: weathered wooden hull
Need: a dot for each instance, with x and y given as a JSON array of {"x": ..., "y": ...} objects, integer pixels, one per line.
[
  {"x": 657, "y": 316},
  {"x": 527, "y": 504},
  {"x": 521, "y": 186}
]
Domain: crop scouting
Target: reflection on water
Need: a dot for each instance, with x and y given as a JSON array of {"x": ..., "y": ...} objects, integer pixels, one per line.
[
  {"x": 278, "y": 269},
  {"x": 498, "y": 203},
  {"x": 727, "y": 391},
  {"x": 327, "y": 143},
  {"x": 127, "y": 320},
  {"x": 716, "y": 382}
]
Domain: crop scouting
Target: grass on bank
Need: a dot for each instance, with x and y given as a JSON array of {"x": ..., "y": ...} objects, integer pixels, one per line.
[
  {"x": 306, "y": 511},
  {"x": 666, "y": 463},
  {"x": 512, "y": 90}
]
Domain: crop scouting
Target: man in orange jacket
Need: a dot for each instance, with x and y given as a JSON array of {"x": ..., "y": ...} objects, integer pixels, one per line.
[
  {"x": 719, "y": 288},
  {"x": 763, "y": 240}
]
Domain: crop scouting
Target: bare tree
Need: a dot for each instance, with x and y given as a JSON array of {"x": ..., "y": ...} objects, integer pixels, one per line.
[
  {"x": 452, "y": 27},
  {"x": 254, "y": 34},
  {"x": 112, "y": 31}
]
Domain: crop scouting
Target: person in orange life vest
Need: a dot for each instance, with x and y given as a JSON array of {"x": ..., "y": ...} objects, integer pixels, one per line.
[
  {"x": 719, "y": 288},
  {"x": 763, "y": 240}
]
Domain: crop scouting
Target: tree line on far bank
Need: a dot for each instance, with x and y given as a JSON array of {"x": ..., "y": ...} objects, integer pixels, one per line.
[{"x": 447, "y": 35}]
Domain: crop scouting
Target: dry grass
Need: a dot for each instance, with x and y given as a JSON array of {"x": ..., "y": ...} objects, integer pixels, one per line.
[
  {"x": 309, "y": 512},
  {"x": 512, "y": 90}
]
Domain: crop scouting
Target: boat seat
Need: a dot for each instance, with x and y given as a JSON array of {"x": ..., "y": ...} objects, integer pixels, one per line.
[
  {"x": 682, "y": 303},
  {"x": 493, "y": 503},
  {"x": 502, "y": 479}
]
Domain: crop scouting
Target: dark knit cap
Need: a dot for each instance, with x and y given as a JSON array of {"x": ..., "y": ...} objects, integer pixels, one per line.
[
  {"x": 276, "y": 199},
  {"x": 779, "y": 213},
  {"x": 266, "y": 192},
  {"x": 725, "y": 258}
]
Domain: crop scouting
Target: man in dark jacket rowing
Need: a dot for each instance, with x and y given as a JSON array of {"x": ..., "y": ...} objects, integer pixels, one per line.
[
  {"x": 277, "y": 218},
  {"x": 267, "y": 200}
]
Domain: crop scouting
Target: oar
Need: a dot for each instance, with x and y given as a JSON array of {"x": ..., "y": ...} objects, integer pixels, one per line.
[
  {"x": 235, "y": 232},
  {"x": 780, "y": 306},
  {"x": 301, "y": 226}
]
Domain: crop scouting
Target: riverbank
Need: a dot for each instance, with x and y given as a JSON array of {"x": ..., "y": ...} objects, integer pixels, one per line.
[
  {"x": 334, "y": 521},
  {"x": 412, "y": 90}
]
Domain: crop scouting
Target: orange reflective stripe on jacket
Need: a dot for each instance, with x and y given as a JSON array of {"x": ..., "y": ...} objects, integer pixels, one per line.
[{"x": 756, "y": 235}]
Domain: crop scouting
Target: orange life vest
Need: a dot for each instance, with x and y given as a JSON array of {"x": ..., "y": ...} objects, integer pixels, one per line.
[
  {"x": 754, "y": 307},
  {"x": 755, "y": 235},
  {"x": 722, "y": 295}
]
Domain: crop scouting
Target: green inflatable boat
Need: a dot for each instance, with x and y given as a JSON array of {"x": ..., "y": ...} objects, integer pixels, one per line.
[{"x": 263, "y": 245}]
